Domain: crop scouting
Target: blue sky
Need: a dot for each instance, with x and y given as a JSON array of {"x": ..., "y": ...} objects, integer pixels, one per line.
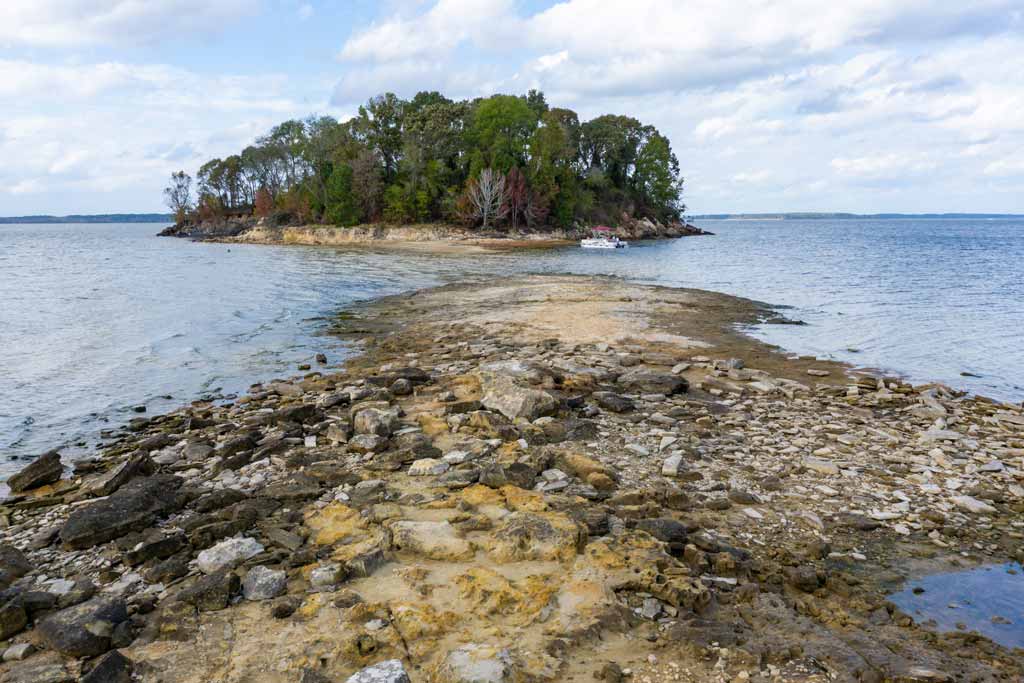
[{"x": 862, "y": 105}]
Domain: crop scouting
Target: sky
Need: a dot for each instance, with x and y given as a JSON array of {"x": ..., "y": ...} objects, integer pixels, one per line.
[{"x": 786, "y": 105}]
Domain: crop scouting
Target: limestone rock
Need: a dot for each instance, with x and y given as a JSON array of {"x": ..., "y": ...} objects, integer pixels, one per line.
[
  {"x": 648, "y": 382},
  {"x": 436, "y": 540},
  {"x": 504, "y": 395},
  {"x": 13, "y": 565},
  {"x": 390, "y": 671},
  {"x": 134, "y": 506},
  {"x": 83, "y": 630},
  {"x": 227, "y": 554},
  {"x": 377, "y": 422},
  {"x": 45, "y": 469},
  {"x": 264, "y": 583}
]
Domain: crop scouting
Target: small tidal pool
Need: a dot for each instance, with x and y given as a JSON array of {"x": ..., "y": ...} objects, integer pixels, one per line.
[{"x": 989, "y": 600}]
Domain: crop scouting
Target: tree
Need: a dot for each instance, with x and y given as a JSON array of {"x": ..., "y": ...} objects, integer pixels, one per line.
[
  {"x": 518, "y": 196},
  {"x": 379, "y": 124},
  {"x": 263, "y": 203},
  {"x": 341, "y": 206},
  {"x": 657, "y": 178},
  {"x": 488, "y": 200},
  {"x": 178, "y": 195},
  {"x": 502, "y": 125},
  {"x": 367, "y": 184}
]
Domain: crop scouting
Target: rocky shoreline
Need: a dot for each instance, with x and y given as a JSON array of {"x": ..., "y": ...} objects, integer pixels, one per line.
[
  {"x": 264, "y": 231},
  {"x": 548, "y": 478}
]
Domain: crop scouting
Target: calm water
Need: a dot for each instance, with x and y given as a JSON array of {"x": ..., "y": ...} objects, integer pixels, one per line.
[
  {"x": 96, "y": 319},
  {"x": 989, "y": 600}
]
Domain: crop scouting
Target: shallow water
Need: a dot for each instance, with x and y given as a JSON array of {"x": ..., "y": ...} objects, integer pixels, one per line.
[
  {"x": 97, "y": 319},
  {"x": 970, "y": 598}
]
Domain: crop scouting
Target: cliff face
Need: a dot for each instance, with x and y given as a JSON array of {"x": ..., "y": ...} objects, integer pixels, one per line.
[{"x": 262, "y": 231}]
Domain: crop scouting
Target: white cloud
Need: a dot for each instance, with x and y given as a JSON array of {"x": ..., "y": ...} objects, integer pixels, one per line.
[
  {"x": 64, "y": 23},
  {"x": 1011, "y": 166}
]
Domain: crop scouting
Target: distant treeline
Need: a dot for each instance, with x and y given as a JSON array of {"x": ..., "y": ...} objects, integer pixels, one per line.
[
  {"x": 832, "y": 216},
  {"x": 95, "y": 218},
  {"x": 504, "y": 160}
]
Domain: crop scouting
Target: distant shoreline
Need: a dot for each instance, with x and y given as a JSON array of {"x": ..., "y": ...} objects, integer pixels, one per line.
[
  {"x": 94, "y": 218},
  {"x": 849, "y": 216}
]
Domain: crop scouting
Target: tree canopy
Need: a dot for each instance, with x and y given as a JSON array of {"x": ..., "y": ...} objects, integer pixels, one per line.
[{"x": 499, "y": 161}]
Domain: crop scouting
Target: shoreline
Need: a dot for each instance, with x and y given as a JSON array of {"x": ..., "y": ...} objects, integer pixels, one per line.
[{"x": 777, "y": 516}]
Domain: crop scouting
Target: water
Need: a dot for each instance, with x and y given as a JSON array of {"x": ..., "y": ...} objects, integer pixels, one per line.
[
  {"x": 971, "y": 598},
  {"x": 96, "y": 319}
]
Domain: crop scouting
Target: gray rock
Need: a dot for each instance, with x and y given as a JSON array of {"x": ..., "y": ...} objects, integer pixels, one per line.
[
  {"x": 46, "y": 469},
  {"x": 13, "y": 565},
  {"x": 501, "y": 394},
  {"x": 390, "y": 671},
  {"x": 377, "y": 422},
  {"x": 83, "y": 630},
  {"x": 475, "y": 663},
  {"x": 138, "y": 464},
  {"x": 613, "y": 402},
  {"x": 12, "y": 618},
  {"x": 133, "y": 507},
  {"x": 211, "y": 593},
  {"x": 648, "y": 382},
  {"x": 113, "y": 667},
  {"x": 227, "y": 554},
  {"x": 16, "y": 653},
  {"x": 264, "y": 583}
]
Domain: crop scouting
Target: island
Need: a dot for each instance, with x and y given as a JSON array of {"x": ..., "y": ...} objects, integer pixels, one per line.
[{"x": 431, "y": 168}]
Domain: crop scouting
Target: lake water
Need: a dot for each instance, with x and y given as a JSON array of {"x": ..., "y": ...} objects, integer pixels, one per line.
[
  {"x": 989, "y": 600},
  {"x": 98, "y": 319}
]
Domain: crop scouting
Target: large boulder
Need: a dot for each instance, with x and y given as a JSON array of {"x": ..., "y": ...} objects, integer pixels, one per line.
[
  {"x": 83, "y": 630},
  {"x": 648, "y": 382},
  {"x": 375, "y": 421},
  {"x": 133, "y": 507},
  {"x": 502, "y": 394},
  {"x": 46, "y": 469}
]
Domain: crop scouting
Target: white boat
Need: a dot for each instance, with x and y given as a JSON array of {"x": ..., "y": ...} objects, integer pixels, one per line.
[{"x": 603, "y": 239}]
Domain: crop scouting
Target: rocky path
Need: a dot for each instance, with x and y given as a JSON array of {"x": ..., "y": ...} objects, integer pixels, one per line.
[{"x": 542, "y": 479}]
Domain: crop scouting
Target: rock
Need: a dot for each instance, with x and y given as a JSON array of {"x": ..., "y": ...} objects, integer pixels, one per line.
[
  {"x": 113, "y": 667},
  {"x": 525, "y": 536},
  {"x": 818, "y": 373},
  {"x": 401, "y": 387},
  {"x": 134, "y": 506},
  {"x": 825, "y": 467},
  {"x": 672, "y": 465},
  {"x": 648, "y": 382},
  {"x": 973, "y": 505},
  {"x": 368, "y": 443},
  {"x": 215, "y": 500},
  {"x": 13, "y": 565},
  {"x": 264, "y": 583},
  {"x": 83, "y": 630},
  {"x": 503, "y": 395},
  {"x": 376, "y": 422},
  {"x": 326, "y": 577},
  {"x": 227, "y": 554},
  {"x": 613, "y": 402},
  {"x": 651, "y": 608},
  {"x": 211, "y": 593},
  {"x": 665, "y": 529},
  {"x": 390, "y": 671},
  {"x": 16, "y": 653},
  {"x": 13, "y": 618},
  {"x": 428, "y": 467},
  {"x": 45, "y": 469},
  {"x": 474, "y": 663},
  {"x": 155, "y": 545},
  {"x": 138, "y": 464},
  {"x": 435, "y": 540}
]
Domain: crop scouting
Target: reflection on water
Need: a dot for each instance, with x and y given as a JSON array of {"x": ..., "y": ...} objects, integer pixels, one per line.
[
  {"x": 989, "y": 600},
  {"x": 98, "y": 319}
]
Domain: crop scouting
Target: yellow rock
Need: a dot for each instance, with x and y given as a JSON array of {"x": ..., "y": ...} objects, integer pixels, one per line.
[
  {"x": 432, "y": 425},
  {"x": 523, "y": 500},
  {"x": 525, "y": 536},
  {"x": 490, "y": 593},
  {"x": 334, "y": 523},
  {"x": 312, "y": 605}
]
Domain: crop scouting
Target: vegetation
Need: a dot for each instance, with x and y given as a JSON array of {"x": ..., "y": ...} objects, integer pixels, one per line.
[{"x": 503, "y": 161}]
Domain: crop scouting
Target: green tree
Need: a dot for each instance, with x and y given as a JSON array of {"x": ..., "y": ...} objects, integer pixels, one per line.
[
  {"x": 379, "y": 124},
  {"x": 341, "y": 206},
  {"x": 502, "y": 125},
  {"x": 657, "y": 179}
]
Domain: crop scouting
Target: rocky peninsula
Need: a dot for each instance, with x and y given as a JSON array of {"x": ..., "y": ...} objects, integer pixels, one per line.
[{"x": 546, "y": 478}]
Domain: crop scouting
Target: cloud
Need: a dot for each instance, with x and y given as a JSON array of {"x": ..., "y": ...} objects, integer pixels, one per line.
[
  {"x": 74, "y": 23},
  {"x": 880, "y": 165}
]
